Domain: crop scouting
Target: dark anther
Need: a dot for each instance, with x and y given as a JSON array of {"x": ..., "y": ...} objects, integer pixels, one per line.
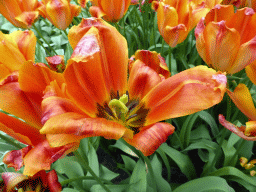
[
  {"x": 132, "y": 105},
  {"x": 127, "y": 93},
  {"x": 108, "y": 110},
  {"x": 117, "y": 94},
  {"x": 130, "y": 117}
]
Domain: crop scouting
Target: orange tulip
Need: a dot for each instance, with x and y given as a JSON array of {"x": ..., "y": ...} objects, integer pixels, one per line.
[
  {"x": 243, "y": 100},
  {"x": 99, "y": 101},
  {"x": 21, "y": 95},
  {"x": 20, "y": 13},
  {"x": 110, "y": 10},
  {"x": 41, "y": 181},
  {"x": 226, "y": 40},
  {"x": 82, "y": 3},
  {"x": 241, "y": 3},
  {"x": 15, "y": 49},
  {"x": 59, "y": 12},
  {"x": 176, "y": 18}
]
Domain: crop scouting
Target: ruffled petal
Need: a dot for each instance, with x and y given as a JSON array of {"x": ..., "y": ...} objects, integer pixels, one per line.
[
  {"x": 15, "y": 158},
  {"x": 150, "y": 138},
  {"x": 240, "y": 131},
  {"x": 42, "y": 156},
  {"x": 77, "y": 124},
  {"x": 243, "y": 100},
  {"x": 185, "y": 93}
]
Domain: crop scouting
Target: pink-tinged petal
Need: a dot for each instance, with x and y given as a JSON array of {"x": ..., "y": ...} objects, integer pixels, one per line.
[
  {"x": 175, "y": 35},
  {"x": 222, "y": 45},
  {"x": 200, "y": 28},
  {"x": 243, "y": 100},
  {"x": 185, "y": 93},
  {"x": 55, "y": 103},
  {"x": 141, "y": 80},
  {"x": 20, "y": 130},
  {"x": 42, "y": 156},
  {"x": 245, "y": 56},
  {"x": 12, "y": 179},
  {"x": 237, "y": 130},
  {"x": 219, "y": 13},
  {"x": 15, "y": 158},
  {"x": 16, "y": 102},
  {"x": 153, "y": 60},
  {"x": 113, "y": 51},
  {"x": 251, "y": 71},
  {"x": 196, "y": 12},
  {"x": 34, "y": 78},
  {"x": 77, "y": 124},
  {"x": 84, "y": 74},
  {"x": 150, "y": 138},
  {"x": 56, "y": 62},
  {"x": 244, "y": 22}
]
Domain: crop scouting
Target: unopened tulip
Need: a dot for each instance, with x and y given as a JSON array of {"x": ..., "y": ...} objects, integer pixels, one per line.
[
  {"x": 225, "y": 40},
  {"x": 176, "y": 18},
  {"x": 21, "y": 13},
  {"x": 110, "y": 10},
  {"x": 59, "y": 12}
]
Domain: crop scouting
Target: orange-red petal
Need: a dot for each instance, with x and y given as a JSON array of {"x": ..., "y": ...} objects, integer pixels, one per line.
[
  {"x": 185, "y": 93},
  {"x": 243, "y": 100},
  {"x": 42, "y": 156},
  {"x": 77, "y": 124},
  {"x": 151, "y": 137}
]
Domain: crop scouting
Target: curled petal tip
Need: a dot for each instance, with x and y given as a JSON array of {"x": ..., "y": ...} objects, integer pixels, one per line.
[{"x": 220, "y": 78}]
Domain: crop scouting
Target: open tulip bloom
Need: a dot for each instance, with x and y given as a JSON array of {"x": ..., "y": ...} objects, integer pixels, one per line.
[{"x": 96, "y": 98}]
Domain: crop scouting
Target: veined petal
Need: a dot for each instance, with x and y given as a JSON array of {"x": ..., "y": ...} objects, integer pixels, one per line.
[
  {"x": 19, "y": 130},
  {"x": 77, "y": 124},
  {"x": 141, "y": 80},
  {"x": 16, "y": 102},
  {"x": 243, "y": 100},
  {"x": 53, "y": 103},
  {"x": 238, "y": 130},
  {"x": 113, "y": 51},
  {"x": 222, "y": 45},
  {"x": 84, "y": 76},
  {"x": 42, "y": 156},
  {"x": 151, "y": 137},
  {"x": 185, "y": 93},
  {"x": 34, "y": 78},
  {"x": 245, "y": 56},
  {"x": 15, "y": 158}
]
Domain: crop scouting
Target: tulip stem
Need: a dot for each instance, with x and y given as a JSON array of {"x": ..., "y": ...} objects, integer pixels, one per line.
[
  {"x": 88, "y": 168},
  {"x": 170, "y": 59},
  {"x": 38, "y": 32}
]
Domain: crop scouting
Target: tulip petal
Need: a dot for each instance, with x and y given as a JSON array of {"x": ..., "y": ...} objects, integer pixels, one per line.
[
  {"x": 20, "y": 130},
  {"x": 16, "y": 102},
  {"x": 26, "y": 19},
  {"x": 141, "y": 80},
  {"x": 4, "y": 72},
  {"x": 222, "y": 45},
  {"x": 34, "y": 78},
  {"x": 113, "y": 51},
  {"x": 243, "y": 100},
  {"x": 245, "y": 56},
  {"x": 15, "y": 158},
  {"x": 239, "y": 131},
  {"x": 42, "y": 156},
  {"x": 251, "y": 71},
  {"x": 76, "y": 124},
  {"x": 219, "y": 13},
  {"x": 12, "y": 179},
  {"x": 185, "y": 93},
  {"x": 149, "y": 139},
  {"x": 57, "y": 140},
  {"x": 52, "y": 182}
]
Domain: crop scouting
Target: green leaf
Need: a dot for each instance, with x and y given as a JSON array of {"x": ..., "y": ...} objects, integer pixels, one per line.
[
  {"x": 138, "y": 178},
  {"x": 129, "y": 163},
  {"x": 69, "y": 190},
  {"x": 105, "y": 173},
  {"x": 238, "y": 176},
  {"x": 210, "y": 121},
  {"x": 112, "y": 188},
  {"x": 206, "y": 184},
  {"x": 183, "y": 161}
]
